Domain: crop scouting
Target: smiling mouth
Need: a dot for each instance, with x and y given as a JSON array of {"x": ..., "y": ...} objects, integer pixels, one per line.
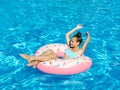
[{"x": 71, "y": 46}]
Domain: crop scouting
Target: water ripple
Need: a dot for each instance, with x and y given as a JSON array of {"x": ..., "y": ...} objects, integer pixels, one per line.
[{"x": 27, "y": 25}]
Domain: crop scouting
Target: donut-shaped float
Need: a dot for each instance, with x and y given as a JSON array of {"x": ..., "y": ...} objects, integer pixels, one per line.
[{"x": 62, "y": 66}]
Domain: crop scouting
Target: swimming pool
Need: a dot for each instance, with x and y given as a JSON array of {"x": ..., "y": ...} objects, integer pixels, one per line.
[{"x": 27, "y": 25}]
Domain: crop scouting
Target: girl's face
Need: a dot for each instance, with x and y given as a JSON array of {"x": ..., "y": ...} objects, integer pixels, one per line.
[{"x": 74, "y": 43}]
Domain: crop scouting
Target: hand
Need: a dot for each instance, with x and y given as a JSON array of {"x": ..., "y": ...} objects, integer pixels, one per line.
[
  {"x": 79, "y": 26},
  {"x": 88, "y": 35}
]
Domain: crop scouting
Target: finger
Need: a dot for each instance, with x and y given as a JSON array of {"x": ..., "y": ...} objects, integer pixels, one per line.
[
  {"x": 80, "y": 25},
  {"x": 86, "y": 33}
]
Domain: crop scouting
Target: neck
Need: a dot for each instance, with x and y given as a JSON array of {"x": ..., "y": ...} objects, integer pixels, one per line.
[{"x": 75, "y": 48}]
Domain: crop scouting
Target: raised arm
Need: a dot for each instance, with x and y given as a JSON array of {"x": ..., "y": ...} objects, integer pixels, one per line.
[
  {"x": 71, "y": 31},
  {"x": 86, "y": 42}
]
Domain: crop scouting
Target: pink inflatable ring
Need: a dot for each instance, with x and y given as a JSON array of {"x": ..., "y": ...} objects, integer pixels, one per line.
[{"x": 62, "y": 66}]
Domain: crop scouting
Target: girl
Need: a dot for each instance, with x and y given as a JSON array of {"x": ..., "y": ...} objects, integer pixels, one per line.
[{"x": 72, "y": 52}]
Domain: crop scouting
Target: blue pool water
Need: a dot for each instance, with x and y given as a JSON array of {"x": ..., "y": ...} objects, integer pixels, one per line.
[{"x": 26, "y": 25}]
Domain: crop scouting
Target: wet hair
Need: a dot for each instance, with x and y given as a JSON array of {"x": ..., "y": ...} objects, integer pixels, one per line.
[{"x": 79, "y": 37}]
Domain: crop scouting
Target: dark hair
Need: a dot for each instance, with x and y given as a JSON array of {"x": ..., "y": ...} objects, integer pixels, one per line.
[{"x": 79, "y": 37}]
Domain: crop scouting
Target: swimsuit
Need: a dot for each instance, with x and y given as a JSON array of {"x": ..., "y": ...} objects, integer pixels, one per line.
[
  {"x": 68, "y": 52},
  {"x": 71, "y": 54}
]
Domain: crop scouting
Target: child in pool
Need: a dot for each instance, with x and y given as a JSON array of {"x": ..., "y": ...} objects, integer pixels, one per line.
[{"x": 72, "y": 52}]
